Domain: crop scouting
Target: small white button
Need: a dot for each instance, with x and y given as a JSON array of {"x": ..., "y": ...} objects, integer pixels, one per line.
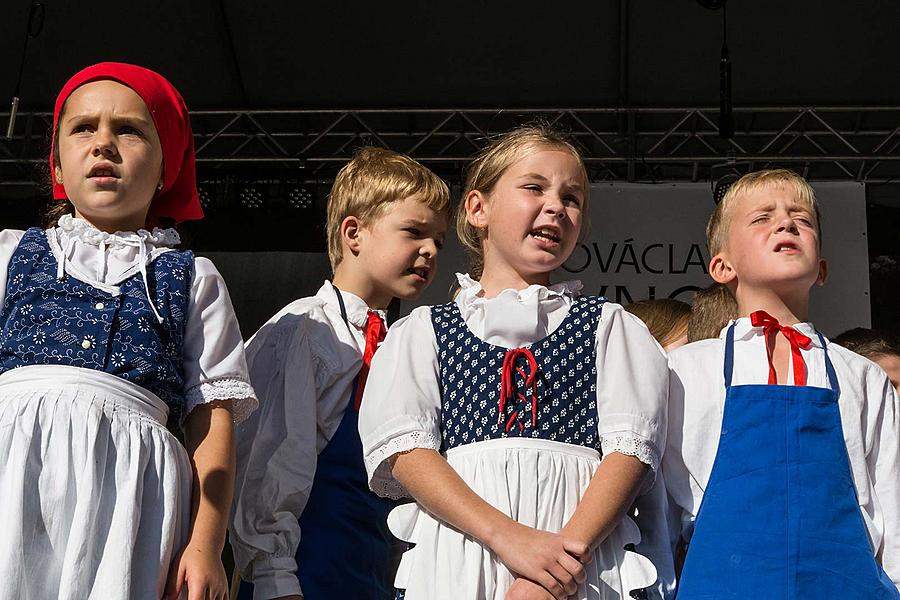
[
  {"x": 86, "y": 344},
  {"x": 99, "y": 306}
]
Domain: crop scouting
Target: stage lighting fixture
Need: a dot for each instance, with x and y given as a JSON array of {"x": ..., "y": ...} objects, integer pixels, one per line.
[
  {"x": 722, "y": 185},
  {"x": 204, "y": 190},
  {"x": 300, "y": 197},
  {"x": 250, "y": 196}
]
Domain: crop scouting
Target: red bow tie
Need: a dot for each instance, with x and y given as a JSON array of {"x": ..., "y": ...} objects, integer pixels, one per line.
[
  {"x": 375, "y": 332},
  {"x": 796, "y": 339}
]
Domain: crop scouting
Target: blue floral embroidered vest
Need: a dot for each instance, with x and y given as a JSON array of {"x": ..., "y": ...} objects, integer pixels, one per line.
[
  {"x": 559, "y": 403},
  {"x": 50, "y": 321}
]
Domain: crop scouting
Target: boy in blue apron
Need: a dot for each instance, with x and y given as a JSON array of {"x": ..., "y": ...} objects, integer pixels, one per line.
[
  {"x": 304, "y": 523},
  {"x": 782, "y": 448}
]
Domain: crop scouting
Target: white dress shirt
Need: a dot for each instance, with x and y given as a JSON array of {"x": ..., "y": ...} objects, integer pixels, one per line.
[
  {"x": 303, "y": 362},
  {"x": 870, "y": 418}
]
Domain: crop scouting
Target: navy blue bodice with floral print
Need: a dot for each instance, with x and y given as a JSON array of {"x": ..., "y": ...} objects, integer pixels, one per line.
[
  {"x": 547, "y": 389},
  {"x": 51, "y": 321}
]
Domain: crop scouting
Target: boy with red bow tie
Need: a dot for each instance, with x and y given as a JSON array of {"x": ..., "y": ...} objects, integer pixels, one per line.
[
  {"x": 305, "y": 524},
  {"x": 782, "y": 447}
]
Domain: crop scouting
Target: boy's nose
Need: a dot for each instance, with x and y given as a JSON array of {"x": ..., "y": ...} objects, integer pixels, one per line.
[
  {"x": 787, "y": 224},
  {"x": 428, "y": 249}
]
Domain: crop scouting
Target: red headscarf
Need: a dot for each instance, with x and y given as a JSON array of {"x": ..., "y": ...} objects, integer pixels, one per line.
[{"x": 178, "y": 198}]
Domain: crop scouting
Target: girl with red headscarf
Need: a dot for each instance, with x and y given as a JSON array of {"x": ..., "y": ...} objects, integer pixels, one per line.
[{"x": 110, "y": 338}]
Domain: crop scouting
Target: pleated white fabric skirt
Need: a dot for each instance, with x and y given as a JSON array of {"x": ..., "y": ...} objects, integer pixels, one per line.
[
  {"x": 94, "y": 490},
  {"x": 537, "y": 483}
]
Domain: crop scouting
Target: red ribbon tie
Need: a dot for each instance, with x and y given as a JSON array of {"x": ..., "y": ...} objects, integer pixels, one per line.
[{"x": 796, "y": 339}]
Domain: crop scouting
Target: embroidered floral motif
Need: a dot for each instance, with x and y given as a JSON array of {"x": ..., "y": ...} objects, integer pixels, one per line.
[
  {"x": 52, "y": 321},
  {"x": 566, "y": 384}
]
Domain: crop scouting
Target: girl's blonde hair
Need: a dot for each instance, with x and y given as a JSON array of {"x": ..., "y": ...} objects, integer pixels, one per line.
[{"x": 488, "y": 167}]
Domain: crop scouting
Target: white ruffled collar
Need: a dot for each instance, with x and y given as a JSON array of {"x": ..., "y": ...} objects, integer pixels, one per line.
[
  {"x": 82, "y": 230},
  {"x": 470, "y": 290}
]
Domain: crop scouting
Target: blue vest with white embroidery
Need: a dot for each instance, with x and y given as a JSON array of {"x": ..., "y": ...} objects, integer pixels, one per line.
[
  {"x": 564, "y": 387},
  {"x": 50, "y": 321}
]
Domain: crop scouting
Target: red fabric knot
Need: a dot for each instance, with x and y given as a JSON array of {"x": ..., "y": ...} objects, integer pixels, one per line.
[
  {"x": 375, "y": 332},
  {"x": 796, "y": 339},
  {"x": 509, "y": 391}
]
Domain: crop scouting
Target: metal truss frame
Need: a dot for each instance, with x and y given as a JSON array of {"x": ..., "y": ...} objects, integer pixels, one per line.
[{"x": 649, "y": 144}]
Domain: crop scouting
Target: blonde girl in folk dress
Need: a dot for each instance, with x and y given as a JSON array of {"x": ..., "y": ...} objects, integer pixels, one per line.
[
  {"x": 524, "y": 416},
  {"x": 108, "y": 335}
]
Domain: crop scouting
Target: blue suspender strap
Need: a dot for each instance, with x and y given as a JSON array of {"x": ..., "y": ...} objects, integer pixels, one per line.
[
  {"x": 829, "y": 367},
  {"x": 729, "y": 355}
]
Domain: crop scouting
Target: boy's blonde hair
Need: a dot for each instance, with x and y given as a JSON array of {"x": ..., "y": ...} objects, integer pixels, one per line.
[
  {"x": 489, "y": 165},
  {"x": 720, "y": 220},
  {"x": 373, "y": 180}
]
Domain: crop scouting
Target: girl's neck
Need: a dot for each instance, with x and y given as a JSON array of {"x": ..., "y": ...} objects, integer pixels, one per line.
[
  {"x": 114, "y": 225},
  {"x": 493, "y": 281},
  {"x": 788, "y": 309}
]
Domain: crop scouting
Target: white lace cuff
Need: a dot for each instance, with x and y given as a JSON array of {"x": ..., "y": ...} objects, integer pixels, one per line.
[
  {"x": 382, "y": 482},
  {"x": 226, "y": 388},
  {"x": 627, "y": 443}
]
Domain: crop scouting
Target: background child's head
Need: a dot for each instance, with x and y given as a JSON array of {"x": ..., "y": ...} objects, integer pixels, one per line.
[
  {"x": 666, "y": 318},
  {"x": 711, "y": 309},
  {"x": 123, "y": 152},
  {"x": 490, "y": 166},
  {"x": 765, "y": 233},
  {"x": 388, "y": 214},
  {"x": 879, "y": 346}
]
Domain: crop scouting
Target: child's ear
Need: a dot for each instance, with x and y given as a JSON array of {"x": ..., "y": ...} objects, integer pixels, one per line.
[
  {"x": 720, "y": 269},
  {"x": 57, "y": 174},
  {"x": 823, "y": 272},
  {"x": 476, "y": 209},
  {"x": 350, "y": 231}
]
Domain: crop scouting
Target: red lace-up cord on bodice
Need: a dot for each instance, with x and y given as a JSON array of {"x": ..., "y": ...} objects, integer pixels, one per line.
[
  {"x": 508, "y": 390},
  {"x": 797, "y": 340}
]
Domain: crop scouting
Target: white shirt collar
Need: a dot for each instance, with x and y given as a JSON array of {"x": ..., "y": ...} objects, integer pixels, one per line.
[
  {"x": 357, "y": 309},
  {"x": 744, "y": 331}
]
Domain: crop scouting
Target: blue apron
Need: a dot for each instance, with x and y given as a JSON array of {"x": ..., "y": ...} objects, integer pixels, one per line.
[
  {"x": 780, "y": 517},
  {"x": 345, "y": 544}
]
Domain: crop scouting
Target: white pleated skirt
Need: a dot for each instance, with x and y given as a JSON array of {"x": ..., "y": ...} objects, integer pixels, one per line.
[
  {"x": 535, "y": 482},
  {"x": 94, "y": 490}
]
